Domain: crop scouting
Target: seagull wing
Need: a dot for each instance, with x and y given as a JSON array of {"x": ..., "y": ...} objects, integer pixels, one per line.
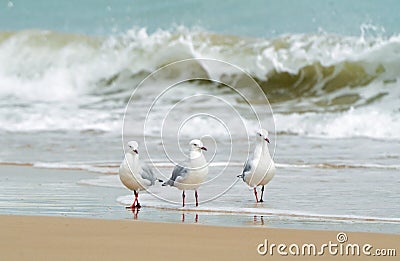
[
  {"x": 247, "y": 166},
  {"x": 179, "y": 171},
  {"x": 147, "y": 174}
]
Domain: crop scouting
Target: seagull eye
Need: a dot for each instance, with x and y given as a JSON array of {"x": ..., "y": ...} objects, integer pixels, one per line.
[{"x": 259, "y": 134}]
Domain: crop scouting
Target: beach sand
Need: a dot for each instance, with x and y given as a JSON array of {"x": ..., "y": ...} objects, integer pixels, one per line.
[{"x": 49, "y": 238}]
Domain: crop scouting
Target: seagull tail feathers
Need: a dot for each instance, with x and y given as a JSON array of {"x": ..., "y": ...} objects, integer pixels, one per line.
[
  {"x": 168, "y": 183},
  {"x": 241, "y": 176}
]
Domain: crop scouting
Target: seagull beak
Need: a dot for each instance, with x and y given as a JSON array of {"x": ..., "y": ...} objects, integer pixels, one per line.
[
  {"x": 136, "y": 151},
  {"x": 204, "y": 148},
  {"x": 267, "y": 140}
]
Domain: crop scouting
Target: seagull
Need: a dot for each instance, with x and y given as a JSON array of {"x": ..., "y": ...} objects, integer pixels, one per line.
[
  {"x": 134, "y": 174},
  {"x": 259, "y": 168},
  {"x": 190, "y": 177}
]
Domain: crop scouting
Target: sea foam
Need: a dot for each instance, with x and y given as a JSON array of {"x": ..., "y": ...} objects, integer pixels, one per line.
[{"x": 318, "y": 84}]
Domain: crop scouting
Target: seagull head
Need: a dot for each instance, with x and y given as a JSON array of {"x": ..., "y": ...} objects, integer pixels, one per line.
[
  {"x": 197, "y": 145},
  {"x": 263, "y": 134},
  {"x": 133, "y": 147}
]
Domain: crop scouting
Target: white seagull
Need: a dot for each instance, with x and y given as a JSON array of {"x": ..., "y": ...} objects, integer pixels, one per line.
[
  {"x": 259, "y": 168},
  {"x": 191, "y": 176},
  {"x": 134, "y": 174}
]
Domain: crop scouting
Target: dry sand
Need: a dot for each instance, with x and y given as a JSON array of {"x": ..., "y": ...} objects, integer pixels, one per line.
[{"x": 55, "y": 238}]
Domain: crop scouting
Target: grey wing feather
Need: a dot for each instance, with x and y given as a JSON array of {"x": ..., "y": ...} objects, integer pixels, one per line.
[
  {"x": 147, "y": 173},
  {"x": 178, "y": 171},
  {"x": 247, "y": 166}
]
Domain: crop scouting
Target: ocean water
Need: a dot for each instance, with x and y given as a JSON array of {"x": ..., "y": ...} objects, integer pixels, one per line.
[{"x": 79, "y": 78}]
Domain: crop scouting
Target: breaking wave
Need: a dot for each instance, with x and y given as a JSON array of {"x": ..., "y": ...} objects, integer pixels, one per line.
[{"x": 323, "y": 85}]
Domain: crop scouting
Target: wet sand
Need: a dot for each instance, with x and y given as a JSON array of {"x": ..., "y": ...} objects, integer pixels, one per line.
[{"x": 46, "y": 238}]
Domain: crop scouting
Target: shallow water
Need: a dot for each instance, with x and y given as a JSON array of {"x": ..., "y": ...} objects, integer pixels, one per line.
[{"x": 317, "y": 186}]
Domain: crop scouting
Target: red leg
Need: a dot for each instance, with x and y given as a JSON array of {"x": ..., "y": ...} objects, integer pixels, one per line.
[
  {"x": 183, "y": 198},
  {"x": 197, "y": 198},
  {"x": 134, "y": 202},
  {"x": 132, "y": 206},
  {"x": 255, "y": 194},
  {"x": 137, "y": 199},
  {"x": 196, "y": 219},
  {"x": 183, "y": 218}
]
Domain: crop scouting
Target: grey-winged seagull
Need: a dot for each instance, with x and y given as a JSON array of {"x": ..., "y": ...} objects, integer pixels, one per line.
[
  {"x": 259, "y": 168},
  {"x": 190, "y": 177},
  {"x": 135, "y": 175}
]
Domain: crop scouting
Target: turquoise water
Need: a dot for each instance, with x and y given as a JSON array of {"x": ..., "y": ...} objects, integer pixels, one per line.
[
  {"x": 330, "y": 70},
  {"x": 245, "y": 18}
]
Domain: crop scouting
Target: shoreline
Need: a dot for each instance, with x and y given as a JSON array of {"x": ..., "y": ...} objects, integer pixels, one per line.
[
  {"x": 78, "y": 193},
  {"x": 43, "y": 237}
]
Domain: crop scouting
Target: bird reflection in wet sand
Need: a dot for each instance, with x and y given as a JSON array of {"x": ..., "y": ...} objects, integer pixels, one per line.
[
  {"x": 255, "y": 220},
  {"x": 196, "y": 218},
  {"x": 135, "y": 212}
]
